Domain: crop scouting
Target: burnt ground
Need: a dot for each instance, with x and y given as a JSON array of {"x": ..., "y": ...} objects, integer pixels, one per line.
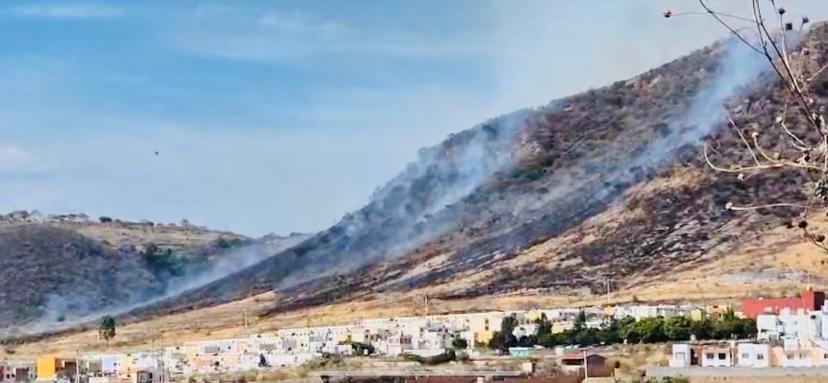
[{"x": 575, "y": 160}]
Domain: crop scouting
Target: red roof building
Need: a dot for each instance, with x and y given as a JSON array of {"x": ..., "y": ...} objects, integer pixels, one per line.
[{"x": 808, "y": 300}]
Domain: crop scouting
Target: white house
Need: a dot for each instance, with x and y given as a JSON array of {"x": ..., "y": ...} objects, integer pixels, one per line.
[
  {"x": 527, "y": 329},
  {"x": 795, "y": 353},
  {"x": 681, "y": 355},
  {"x": 790, "y": 324},
  {"x": 716, "y": 356},
  {"x": 398, "y": 344},
  {"x": 768, "y": 327},
  {"x": 753, "y": 355}
]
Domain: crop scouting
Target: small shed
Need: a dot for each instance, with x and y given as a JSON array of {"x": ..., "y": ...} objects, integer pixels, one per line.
[
  {"x": 596, "y": 364},
  {"x": 521, "y": 352}
]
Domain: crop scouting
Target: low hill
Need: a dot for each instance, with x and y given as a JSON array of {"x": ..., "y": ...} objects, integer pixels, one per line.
[{"x": 57, "y": 270}]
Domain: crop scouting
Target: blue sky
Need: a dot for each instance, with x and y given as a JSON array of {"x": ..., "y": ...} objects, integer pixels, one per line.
[{"x": 280, "y": 116}]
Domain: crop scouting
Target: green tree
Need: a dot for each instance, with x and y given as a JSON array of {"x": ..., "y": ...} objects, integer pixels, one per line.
[
  {"x": 702, "y": 329},
  {"x": 730, "y": 326},
  {"x": 627, "y": 330},
  {"x": 161, "y": 262},
  {"x": 650, "y": 330},
  {"x": 458, "y": 343},
  {"x": 106, "y": 329},
  {"x": 544, "y": 325},
  {"x": 505, "y": 338},
  {"x": 580, "y": 322},
  {"x": 610, "y": 332},
  {"x": 585, "y": 337},
  {"x": 362, "y": 349},
  {"x": 678, "y": 328}
]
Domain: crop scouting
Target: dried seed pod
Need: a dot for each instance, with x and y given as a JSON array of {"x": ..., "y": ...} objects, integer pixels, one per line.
[
  {"x": 781, "y": 11},
  {"x": 803, "y": 224},
  {"x": 819, "y": 238}
]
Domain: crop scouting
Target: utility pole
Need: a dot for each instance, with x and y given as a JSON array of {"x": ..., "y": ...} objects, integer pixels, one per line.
[
  {"x": 246, "y": 332},
  {"x": 77, "y": 366},
  {"x": 426, "y": 304},
  {"x": 609, "y": 280},
  {"x": 586, "y": 367}
]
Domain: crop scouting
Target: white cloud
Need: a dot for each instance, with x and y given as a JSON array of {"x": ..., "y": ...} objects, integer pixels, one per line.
[
  {"x": 67, "y": 11},
  {"x": 16, "y": 161},
  {"x": 270, "y": 36},
  {"x": 298, "y": 23}
]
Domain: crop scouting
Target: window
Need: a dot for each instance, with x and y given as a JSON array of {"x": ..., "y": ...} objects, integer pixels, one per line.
[
  {"x": 760, "y": 356},
  {"x": 709, "y": 355},
  {"x": 745, "y": 355},
  {"x": 722, "y": 356}
]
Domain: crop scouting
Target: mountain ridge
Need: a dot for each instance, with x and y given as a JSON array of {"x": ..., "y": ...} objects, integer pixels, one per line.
[{"x": 582, "y": 138}]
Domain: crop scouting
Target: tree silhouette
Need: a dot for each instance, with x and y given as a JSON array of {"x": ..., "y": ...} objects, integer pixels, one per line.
[
  {"x": 106, "y": 329},
  {"x": 797, "y": 140}
]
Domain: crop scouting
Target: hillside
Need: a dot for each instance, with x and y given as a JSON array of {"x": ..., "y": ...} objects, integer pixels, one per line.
[
  {"x": 543, "y": 205},
  {"x": 611, "y": 181},
  {"x": 56, "y": 270}
]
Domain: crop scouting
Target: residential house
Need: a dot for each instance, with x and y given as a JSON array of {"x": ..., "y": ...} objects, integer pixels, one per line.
[
  {"x": 398, "y": 344},
  {"x": 50, "y": 368},
  {"x": 789, "y": 323},
  {"x": 792, "y": 352},
  {"x": 716, "y": 356},
  {"x": 681, "y": 355},
  {"x": 19, "y": 371},
  {"x": 807, "y": 300},
  {"x": 753, "y": 355}
]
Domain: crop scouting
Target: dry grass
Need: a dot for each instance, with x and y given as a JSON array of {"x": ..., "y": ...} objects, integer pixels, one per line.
[
  {"x": 762, "y": 266},
  {"x": 774, "y": 261}
]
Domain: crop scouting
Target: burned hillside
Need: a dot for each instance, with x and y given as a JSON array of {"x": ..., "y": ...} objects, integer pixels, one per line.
[{"x": 615, "y": 177}]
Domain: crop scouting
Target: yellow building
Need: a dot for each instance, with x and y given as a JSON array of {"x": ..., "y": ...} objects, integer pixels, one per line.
[
  {"x": 609, "y": 311},
  {"x": 697, "y": 314},
  {"x": 559, "y": 327},
  {"x": 483, "y": 336},
  {"x": 534, "y": 315},
  {"x": 49, "y": 368}
]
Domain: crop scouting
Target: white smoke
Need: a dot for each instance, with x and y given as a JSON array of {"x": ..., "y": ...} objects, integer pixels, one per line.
[
  {"x": 740, "y": 68},
  {"x": 474, "y": 163},
  {"x": 66, "y": 311}
]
